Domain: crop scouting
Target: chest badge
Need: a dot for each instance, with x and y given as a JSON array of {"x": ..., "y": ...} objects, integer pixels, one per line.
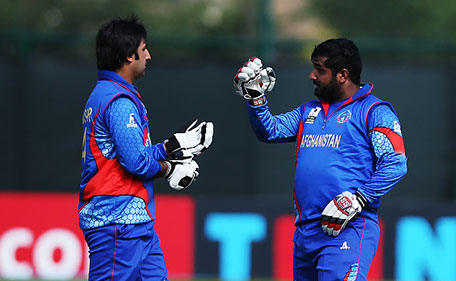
[
  {"x": 312, "y": 115},
  {"x": 344, "y": 116}
]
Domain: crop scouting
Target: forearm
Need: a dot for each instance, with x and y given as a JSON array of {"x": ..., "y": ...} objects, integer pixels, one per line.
[
  {"x": 270, "y": 128},
  {"x": 158, "y": 151},
  {"x": 164, "y": 169},
  {"x": 148, "y": 163},
  {"x": 141, "y": 164},
  {"x": 390, "y": 170}
]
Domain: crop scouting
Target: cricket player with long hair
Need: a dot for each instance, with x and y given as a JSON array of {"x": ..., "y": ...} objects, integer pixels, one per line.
[{"x": 120, "y": 163}]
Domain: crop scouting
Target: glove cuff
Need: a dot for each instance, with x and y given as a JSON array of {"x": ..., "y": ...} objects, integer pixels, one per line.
[
  {"x": 361, "y": 199},
  {"x": 171, "y": 145},
  {"x": 257, "y": 101}
]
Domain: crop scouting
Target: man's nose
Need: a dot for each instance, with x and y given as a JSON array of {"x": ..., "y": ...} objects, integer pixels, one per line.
[{"x": 312, "y": 76}]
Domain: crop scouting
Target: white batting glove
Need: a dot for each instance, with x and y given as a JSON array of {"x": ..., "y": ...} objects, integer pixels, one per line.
[
  {"x": 190, "y": 141},
  {"x": 268, "y": 79},
  {"x": 181, "y": 174},
  {"x": 252, "y": 80},
  {"x": 340, "y": 211}
]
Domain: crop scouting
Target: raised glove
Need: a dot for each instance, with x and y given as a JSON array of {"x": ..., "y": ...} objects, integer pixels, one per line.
[
  {"x": 340, "y": 211},
  {"x": 268, "y": 79},
  {"x": 181, "y": 174},
  {"x": 190, "y": 141},
  {"x": 252, "y": 80}
]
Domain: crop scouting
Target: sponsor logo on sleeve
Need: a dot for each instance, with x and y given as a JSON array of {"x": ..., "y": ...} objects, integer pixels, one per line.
[{"x": 131, "y": 122}]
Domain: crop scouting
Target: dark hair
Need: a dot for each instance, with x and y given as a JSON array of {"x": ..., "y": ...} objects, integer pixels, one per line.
[
  {"x": 341, "y": 53},
  {"x": 118, "y": 39}
]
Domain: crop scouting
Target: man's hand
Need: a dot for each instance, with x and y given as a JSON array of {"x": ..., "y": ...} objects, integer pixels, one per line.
[
  {"x": 268, "y": 78},
  {"x": 340, "y": 211},
  {"x": 190, "y": 141},
  {"x": 181, "y": 174},
  {"x": 252, "y": 80}
]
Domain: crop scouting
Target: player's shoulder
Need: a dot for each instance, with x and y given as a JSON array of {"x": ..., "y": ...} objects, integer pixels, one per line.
[
  {"x": 373, "y": 99},
  {"x": 373, "y": 102},
  {"x": 121, "y": 103},
  {"x": 311, "y": 103},
  {"x": 123, "y": 100},
  {"x": 104, "y": 90},
  {"x": 377, "y": 103},
  {"x": 383, "y": 115},
  {"x": 381, "y": 110}
]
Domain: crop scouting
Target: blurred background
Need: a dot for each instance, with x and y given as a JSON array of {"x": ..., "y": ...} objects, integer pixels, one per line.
[{"x": 48, "y": 69}]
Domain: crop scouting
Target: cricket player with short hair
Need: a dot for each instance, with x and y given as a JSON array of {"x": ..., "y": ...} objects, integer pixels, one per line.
[
  {"x": 120, "y": 163},
  {"x": 349, "y": 153}
]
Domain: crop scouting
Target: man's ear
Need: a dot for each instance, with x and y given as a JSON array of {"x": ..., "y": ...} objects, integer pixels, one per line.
[
  {"x": 131, "y": 58},
  {"x": 342, "y": 75}
]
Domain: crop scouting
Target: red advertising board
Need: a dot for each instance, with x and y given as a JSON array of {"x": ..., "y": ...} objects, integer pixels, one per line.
[{"x": 40, "y": 235}]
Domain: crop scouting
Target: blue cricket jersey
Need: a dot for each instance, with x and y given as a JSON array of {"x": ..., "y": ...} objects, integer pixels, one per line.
[
  {"x": 353, "y": 145},
  {"x": 118, "y": 159}
]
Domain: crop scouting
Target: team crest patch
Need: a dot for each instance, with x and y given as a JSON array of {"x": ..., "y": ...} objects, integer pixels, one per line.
[
  {"x": 344, "y": 116},
  {"x": 312, "y": 115}
]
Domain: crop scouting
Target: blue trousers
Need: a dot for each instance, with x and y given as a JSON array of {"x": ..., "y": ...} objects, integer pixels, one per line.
[
  {"x": 318, "y": 256},
  {"x": 125, "y": 252}
]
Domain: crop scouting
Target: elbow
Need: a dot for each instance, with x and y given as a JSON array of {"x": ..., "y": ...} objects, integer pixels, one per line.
[
  {"x": 264, "y": 134},
  {"x": 262, "y": 138},
  {"x": 137, "y": 171},
  {"x": 143, "y": 168},
  {"x": 402, "y": 169},
  {"x": 404, "y": 166},
  {"x": 261, "y": 135},
  {"x": 265, "y": 138}
]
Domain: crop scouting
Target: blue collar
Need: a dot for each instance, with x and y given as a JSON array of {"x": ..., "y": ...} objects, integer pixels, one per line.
[
  {"x": 116, "y": 78},
  {"x": 366, "y": 88}
]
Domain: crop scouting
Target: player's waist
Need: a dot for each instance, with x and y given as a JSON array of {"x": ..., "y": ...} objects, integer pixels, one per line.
[{"x": 107, "y": 210}]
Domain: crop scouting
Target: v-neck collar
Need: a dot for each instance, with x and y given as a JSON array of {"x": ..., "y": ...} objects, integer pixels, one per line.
[{"x": 365, "y": 90}]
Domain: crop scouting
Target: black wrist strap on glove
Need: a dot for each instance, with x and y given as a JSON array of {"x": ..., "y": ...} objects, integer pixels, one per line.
[
  {"x": 172, "y": 144},
  {"x": 361, "y": 199},
  {"x": 257, "y": 101}
]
